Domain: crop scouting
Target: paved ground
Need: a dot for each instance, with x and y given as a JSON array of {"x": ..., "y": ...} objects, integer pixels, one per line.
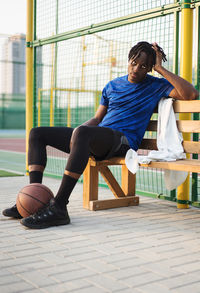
[{"x": 150, "y": 248}]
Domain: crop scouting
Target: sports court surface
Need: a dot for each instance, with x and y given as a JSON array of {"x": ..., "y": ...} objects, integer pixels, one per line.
[{"x": 12, "y": 150}]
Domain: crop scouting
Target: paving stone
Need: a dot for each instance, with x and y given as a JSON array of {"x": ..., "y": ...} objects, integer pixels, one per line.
[
  {"x": 87, "y": 256},
  {"x": 183, "y": 280},
  {"x": 77, "y": 284},
  {"x": 193, "y": 288},
  {"x": 161, "y": 270},
  {"x": 7, "y": 279},
  {"x": 53, "y": 270},
  {"x": 91, "y": 289},
  {"x": 74, "y": 275},
  {"x": 16, "y": 287},
  {"x": 127, "y": 273},
  {"x": 188, "y": 267},
  {"x": 106, "y": 283},
  {"x": 129, "y": 290},
  {"x": 58, "y": 288},
  {"x": 154, "y": 288},
  {"x": 142, "y": 279},
  {"x": 18, "y": 261},
  {"x": 122, "y": 260},
  {"x": 41, "y": 290},
  {"x": 98, "y": 266},
  {"x": 36, "y": 277}
]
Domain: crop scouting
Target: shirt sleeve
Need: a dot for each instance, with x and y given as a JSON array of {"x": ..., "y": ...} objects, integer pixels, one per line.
[
  {"x": 166, "y": 87},
  {"x": 104, "y": 99}
]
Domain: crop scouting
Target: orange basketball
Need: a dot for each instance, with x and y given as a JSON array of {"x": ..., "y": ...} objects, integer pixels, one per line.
[{"x": 33, "y": 197}]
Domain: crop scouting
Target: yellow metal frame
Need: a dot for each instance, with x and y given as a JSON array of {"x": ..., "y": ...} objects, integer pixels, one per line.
[
  {"x": 29, "y": 76},
  {"x": 185, "y": 72},
  {"x": 183, "y": 190}
]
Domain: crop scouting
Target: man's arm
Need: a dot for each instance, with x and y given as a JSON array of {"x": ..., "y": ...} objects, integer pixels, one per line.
[
  {"x": 183, "y": 90},
  {"x": 100, "y": 113}
]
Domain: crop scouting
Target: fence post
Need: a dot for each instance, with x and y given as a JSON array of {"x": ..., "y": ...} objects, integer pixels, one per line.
[
  {"x": 3, "y": 111},
  {"x": 29, "y": 75},
  {"x": 183, "y": 191}
]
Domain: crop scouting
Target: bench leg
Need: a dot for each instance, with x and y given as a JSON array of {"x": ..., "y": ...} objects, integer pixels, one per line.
[
  {"x": 111, "y": 182},
  {"x": 125, "y": 195},
  {"x": 128, "y": 182},
  {"x": 90, "y": 185}
]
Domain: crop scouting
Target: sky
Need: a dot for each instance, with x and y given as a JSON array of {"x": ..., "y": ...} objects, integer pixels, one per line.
[{"x": 12, "y": 16}]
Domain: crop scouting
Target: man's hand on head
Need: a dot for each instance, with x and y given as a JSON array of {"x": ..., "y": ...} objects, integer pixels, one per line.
[
  {"x": 183, "y": 90},
  {"x": 159, "y": 56}
]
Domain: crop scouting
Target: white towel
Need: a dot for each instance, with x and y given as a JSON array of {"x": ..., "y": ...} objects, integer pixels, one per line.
[{"x": 169, "y": 144}]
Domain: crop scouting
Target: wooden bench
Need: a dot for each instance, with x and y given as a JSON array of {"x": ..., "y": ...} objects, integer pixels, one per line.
[{"x": 125, "y": 194}]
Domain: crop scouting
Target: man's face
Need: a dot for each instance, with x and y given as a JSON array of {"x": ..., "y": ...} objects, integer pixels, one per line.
[{"x": 138, "y": 68}]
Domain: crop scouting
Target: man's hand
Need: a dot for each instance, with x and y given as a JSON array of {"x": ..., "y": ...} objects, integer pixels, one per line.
[{"x": 159, "y": 56}]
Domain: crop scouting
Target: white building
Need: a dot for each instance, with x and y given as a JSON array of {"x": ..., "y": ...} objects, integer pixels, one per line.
[{"x": 13, "y": 65}]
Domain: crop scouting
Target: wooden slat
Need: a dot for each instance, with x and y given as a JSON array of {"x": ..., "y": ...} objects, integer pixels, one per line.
[
  {"x": 112, "y": 161},
  {"x": 180, "y": 165},
  {"x": 187, "y": 106},
  {"x": 111, "y": 182},
  {"x": 152, "y": 126},
  {"x": 191, "y": 147},
  {"x": 148, "y": 144},
  {"x": 114, "y": 203},
  {"x": 192, "y": 126}
]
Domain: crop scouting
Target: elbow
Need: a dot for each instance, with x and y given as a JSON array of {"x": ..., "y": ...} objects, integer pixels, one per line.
[{"x": 194, "y": 95}]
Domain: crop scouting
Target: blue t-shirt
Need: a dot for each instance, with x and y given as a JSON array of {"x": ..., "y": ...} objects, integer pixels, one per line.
[{"x": 130, "y": 105}]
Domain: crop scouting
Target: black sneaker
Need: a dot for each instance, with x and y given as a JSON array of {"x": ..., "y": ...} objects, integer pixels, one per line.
[
  {"x": 12, "y": 212},
  {"x": 49, "y": 216}
]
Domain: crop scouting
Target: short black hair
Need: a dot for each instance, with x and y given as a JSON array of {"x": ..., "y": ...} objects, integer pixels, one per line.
[{"x": 148, "y": 49}]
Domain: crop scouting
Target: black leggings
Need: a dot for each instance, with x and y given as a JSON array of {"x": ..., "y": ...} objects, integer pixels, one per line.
[{"x": 86, "y": 141}]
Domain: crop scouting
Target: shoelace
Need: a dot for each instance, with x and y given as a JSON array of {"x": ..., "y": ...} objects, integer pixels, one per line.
[{"x": 41, "y": 211}]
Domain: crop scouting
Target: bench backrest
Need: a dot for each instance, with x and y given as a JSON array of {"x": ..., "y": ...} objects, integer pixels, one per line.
[{"x": 185, "y": 126}]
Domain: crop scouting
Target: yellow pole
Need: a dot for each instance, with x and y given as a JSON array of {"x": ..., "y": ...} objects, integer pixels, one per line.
[
  {"x": 111, "y": 57},
  {"x": 52, "y": 88},
  {"x": 39, "y": 107},
  {"x": 69, "y": 109},
  {"x": 83, "y": 63},
  {"x": 29, "y": 76},
  {"x": 183, "y": 191}
]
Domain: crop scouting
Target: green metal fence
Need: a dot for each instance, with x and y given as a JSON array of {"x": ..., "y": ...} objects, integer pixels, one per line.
[
  {"x": 80, "y": 45},
  {"x": 12, "y": 111}
]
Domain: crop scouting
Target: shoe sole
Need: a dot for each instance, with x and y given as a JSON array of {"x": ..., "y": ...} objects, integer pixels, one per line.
[
  {"x": 44, "y": 226},
  {"x": 11, "y": 215}
]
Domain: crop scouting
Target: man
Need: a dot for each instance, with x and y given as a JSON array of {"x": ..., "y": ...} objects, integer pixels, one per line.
[{"x": 126, "y": 106}]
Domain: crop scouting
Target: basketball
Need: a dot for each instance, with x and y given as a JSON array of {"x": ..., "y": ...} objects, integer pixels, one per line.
[{"x": 33, "y": 197}]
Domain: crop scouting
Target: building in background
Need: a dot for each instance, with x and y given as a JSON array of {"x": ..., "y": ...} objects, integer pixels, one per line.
[
  {"x": 13, "y": 65},
  {"x": 12, "y": 81}
]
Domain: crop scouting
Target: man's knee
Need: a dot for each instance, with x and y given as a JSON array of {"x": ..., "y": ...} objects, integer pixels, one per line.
[
  {"x": 35, "y": 134},
  {"x": 81, "y": 133}
]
